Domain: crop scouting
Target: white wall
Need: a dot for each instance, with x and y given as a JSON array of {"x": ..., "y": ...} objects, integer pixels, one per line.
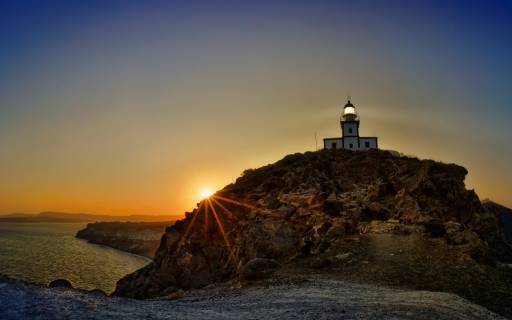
[
  {"x": 371, "y": 141},
  {"x": 347, "y": 141},
  {"x": 329, "y": 142},
  {"x": 347, "y": 126},
  {"x": 351, "y": 140}
]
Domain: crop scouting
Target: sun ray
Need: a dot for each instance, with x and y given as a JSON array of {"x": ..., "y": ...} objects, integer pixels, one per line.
[
  {"x": 207, "y": 205},
  {"x": 191, "y": 223},
  {"x": 223, "y": 232},
  {"x": 235, "y": 202},
  {"x": 230, "y": 214},
  {"x": 206, "y": 222}
]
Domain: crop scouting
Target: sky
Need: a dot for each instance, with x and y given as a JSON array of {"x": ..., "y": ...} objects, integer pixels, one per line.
[{"x": 121, "y": 107}]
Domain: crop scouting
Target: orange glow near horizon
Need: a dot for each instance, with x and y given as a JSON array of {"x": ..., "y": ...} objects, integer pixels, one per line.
[{"x": 105, "y": 113}]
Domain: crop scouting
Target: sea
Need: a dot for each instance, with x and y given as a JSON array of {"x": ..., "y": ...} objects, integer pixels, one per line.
[{"x": 42, "y": 252}]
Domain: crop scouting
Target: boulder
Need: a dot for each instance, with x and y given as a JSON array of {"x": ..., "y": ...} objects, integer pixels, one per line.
[
  {"x": 319, "y": 262},
  {"x": 332, "y": 206},
  {"x": 98, "y": 292},
  {"x": 60, "y": 283},
  {"x": 375, "y": 211},
  {"x": 342, "y": 257},
  {"x": 456, "y": 234},
  {"x": 339, "y": 228},
  {"x": 435, "y": 227},
  {"x": 259, "y": 269}
]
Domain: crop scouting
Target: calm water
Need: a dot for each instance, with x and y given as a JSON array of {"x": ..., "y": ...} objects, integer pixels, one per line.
[{"x": 42, "y": 252}]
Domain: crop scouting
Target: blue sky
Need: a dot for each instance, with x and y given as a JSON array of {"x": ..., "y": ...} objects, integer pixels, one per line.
[{"x": 113, "y": 106}]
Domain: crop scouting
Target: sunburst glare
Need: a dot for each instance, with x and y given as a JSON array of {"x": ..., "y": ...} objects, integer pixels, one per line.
[
  {"x": 205, "y": 193},
  {"x": 207, "y": 208}
]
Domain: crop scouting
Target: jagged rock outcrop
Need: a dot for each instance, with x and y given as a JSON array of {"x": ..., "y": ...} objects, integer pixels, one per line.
[
  {"x": 303, "y": 204},
  {"x": 142, "y": 238}
]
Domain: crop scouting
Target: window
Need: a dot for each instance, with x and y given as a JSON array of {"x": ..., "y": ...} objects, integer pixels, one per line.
[
  {"x": 333, "y": 145},
  {"x": 367, "y": 144},
  {"x": 351, "y": 146},
  {"x": 349, "y": 130}
]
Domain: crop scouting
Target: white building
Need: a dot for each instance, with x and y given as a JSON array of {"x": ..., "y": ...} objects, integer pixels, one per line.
[{"x": 350, "y": 138}]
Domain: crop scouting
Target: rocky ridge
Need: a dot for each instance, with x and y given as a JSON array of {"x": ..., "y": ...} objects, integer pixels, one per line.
[{"x": 304, "y": 210}]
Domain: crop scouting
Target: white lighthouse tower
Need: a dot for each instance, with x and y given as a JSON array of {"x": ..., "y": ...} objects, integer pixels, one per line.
[{"x": 350, "y": 138}]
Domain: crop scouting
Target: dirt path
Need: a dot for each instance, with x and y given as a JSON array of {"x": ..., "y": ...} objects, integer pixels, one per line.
[{"x": 415, "y": 262}]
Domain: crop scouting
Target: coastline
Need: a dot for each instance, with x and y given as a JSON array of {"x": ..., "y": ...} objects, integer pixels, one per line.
[
  {"x": 139, "y": 238},
  {"x": 42, "y": 252},
  {"x": 145, "y": 258}
]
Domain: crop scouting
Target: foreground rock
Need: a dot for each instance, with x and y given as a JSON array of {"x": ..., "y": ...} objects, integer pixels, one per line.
[
  {"x": 141, "y": 238},
  {"x": 311, "y": 210},
  {"x": 320, "y": 299},
  {"x": 60, "y": 283},
  {"x": 258, "y": 269}
]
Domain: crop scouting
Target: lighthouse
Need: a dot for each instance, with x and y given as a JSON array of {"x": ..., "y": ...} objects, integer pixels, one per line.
[{"x": 350, "y": 138}]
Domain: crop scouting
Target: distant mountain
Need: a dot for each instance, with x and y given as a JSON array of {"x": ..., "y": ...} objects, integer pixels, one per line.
[
  {"x": 82, "y": 217},
  {"x": 504, "y": 215}
]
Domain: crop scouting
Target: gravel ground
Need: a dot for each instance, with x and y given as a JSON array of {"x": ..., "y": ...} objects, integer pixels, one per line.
[{"x": 318, "y": 299}]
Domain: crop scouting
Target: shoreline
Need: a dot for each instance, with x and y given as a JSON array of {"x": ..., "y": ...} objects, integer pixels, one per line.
[
  {"x": 149, "y": 260},
  {"x": 140, "y": 238},
  {"x": 40, "y": 253}
]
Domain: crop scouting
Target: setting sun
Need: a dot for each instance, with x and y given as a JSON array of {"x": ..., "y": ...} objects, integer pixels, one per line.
[{"x": 205, "y": 193}]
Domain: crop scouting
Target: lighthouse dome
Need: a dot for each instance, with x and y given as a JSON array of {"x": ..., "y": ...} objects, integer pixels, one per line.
[{"x": 349, "y": 111}]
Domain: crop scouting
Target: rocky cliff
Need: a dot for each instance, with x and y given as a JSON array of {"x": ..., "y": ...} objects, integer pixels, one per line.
[
  {"x": 142, "y": 238},
  {"x": 366, "y": 213}
]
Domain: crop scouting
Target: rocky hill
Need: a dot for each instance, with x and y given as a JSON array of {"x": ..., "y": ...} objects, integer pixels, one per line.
[
  {"x": 142, "y": 238},
  {"x": 364, "y": 216}
]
